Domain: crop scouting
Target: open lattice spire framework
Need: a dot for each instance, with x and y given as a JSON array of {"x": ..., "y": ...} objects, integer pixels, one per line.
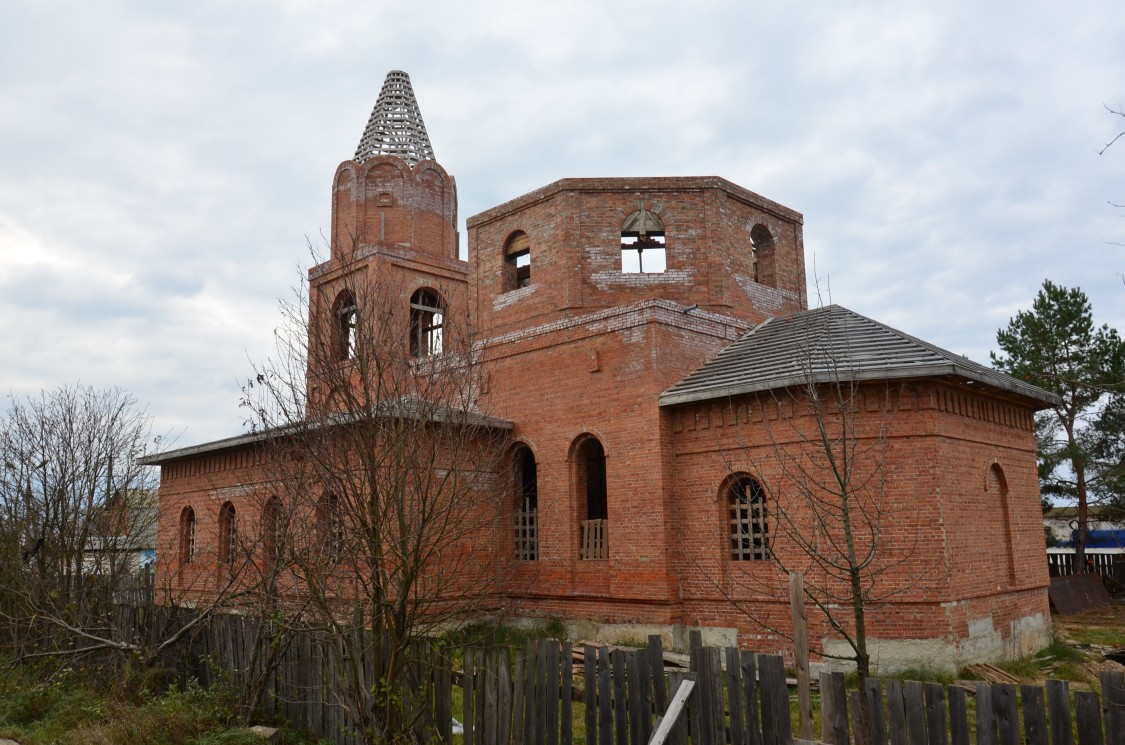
[{"x": 396, "y": 126}]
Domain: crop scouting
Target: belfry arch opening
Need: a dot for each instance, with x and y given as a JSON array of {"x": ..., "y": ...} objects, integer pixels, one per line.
[
  {"x": 642, "y": 244},
  {"x": 344, "y": 325},
  {"x": 762, "y": 246},
  {"x": 517, "y": 261},
  {"x": 427, "y": 323}
]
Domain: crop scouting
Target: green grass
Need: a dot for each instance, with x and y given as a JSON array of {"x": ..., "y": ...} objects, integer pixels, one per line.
[
  {"x": 61, "y": 709},
  {"x": 499, "y": 634},
  {"x": 921, "y": 673}
]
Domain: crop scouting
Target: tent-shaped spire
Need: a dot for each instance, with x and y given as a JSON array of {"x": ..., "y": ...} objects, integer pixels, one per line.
[{"x": 396, "y": 126}]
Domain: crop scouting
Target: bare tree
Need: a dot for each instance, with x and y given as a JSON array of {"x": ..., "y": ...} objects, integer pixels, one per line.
[
  {"x": 77, "y": 512},
  {"x": 812, "y": 496},
  {"x": 1119, "y": 111},
  {"x": 385, "y": 509}
]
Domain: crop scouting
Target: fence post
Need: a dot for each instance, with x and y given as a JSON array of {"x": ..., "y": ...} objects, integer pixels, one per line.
[{"x": 801, "y": 653}]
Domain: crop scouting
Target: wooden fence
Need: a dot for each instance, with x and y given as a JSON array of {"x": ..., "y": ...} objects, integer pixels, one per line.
[
  {"x": 1109, "y": 563},
  {"x": 551, "y": 693}
]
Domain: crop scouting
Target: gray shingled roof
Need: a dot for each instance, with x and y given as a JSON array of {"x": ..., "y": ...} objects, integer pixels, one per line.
[{"x": 829, "y": 344}]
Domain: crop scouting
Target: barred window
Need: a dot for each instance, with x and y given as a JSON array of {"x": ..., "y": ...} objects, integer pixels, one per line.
[
  {"x": 527, "y": 505},
  {"x": 228, "y": 533},
  {"x": 330, "y": 527},
  {"x": 749, "y": 526},
  {"x": 273, "y": 526},
  {"x": 187, "y": 536}
]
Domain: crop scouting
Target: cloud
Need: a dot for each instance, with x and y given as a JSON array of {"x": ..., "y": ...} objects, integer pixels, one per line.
[{"x": 164, "y": 166}]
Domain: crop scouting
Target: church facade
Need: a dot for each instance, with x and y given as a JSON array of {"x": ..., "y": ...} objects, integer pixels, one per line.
[{"x": 647, "y": 348}]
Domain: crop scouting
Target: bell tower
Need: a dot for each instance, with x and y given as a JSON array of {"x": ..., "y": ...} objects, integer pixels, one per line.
[
  {"x": 393, "y": 288},
  {"x": 393, "y": 194}
]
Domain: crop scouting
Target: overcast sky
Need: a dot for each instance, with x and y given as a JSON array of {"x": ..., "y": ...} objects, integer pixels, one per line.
[{"x": 162, "y": 164}]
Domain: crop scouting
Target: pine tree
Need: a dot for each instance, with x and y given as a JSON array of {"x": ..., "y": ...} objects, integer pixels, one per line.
[{"x": 1056, "y": 346}]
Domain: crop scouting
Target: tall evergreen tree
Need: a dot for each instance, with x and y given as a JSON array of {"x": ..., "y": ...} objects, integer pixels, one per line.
[
  {"x": 1056, "y": 346},
  {"x": 1104, "y": 440}
]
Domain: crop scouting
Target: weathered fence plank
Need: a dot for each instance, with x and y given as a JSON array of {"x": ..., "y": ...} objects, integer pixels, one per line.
[
  {"x": 620, "y": 720},
  {"x": 590, "y": 692},
  {"x": 605, "y": 708},
  {"x": 1007, "y": 713},
  {"x": 1058, "y": 708},
  {"x": 1088, "y": 714},
  {"x": 936, "y": 731},
  {"x": 566, "y": 713},
  {"x": 468, "y": 701},
  {"x": 986, "y": 723},
  {"x": 896, "y": 712},
  {"x": 1113, "y": 703},
  {"x": 914, "y": 697},
  {"x": 958, "y": 716},
  {"x": 734, "y": 696},
  {"x": 551, "y": 690},
  {"x": 775, "y": 700},
  {"x": 834, "y": 708},
  {"x": 1034, "y": 715},
  {"x": 874, "y": 695},
  {"x": 655, "y": 654},
  {"x": 750, "y": 696}
]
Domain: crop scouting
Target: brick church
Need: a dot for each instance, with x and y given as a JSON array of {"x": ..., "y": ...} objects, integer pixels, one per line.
[{"x": 647, "y": 349}]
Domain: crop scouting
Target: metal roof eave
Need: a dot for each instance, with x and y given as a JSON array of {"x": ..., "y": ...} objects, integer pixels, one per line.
[{"x": 239, "y": 441}]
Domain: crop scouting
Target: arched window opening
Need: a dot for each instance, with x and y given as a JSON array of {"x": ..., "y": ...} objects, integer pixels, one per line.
[
  {"x": 517, "y": 261},
  {"x": 642, "y": 244},
  {"x": 749, "y": 527},
  {"x": 593, "y": 494},
  {"x": 426, "y": 323},
  {"x": 762, "y": 250},
  {"x": 330, "y": 527},
  {"x": 345, "y": 318},
  {"x": 187, "y": 536},
  {"x": 998, "y": 486},
  {"x": 273, "y": 529},
  {"x": 527, "y": 505},
  {"x": 228, "y": 533}
]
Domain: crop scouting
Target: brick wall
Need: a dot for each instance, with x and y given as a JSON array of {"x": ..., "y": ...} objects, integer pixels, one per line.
[
  {"x": 575, "y": 226},
  {"x": 584, "y": 352},
  {"x": 957, "y": 546}
]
